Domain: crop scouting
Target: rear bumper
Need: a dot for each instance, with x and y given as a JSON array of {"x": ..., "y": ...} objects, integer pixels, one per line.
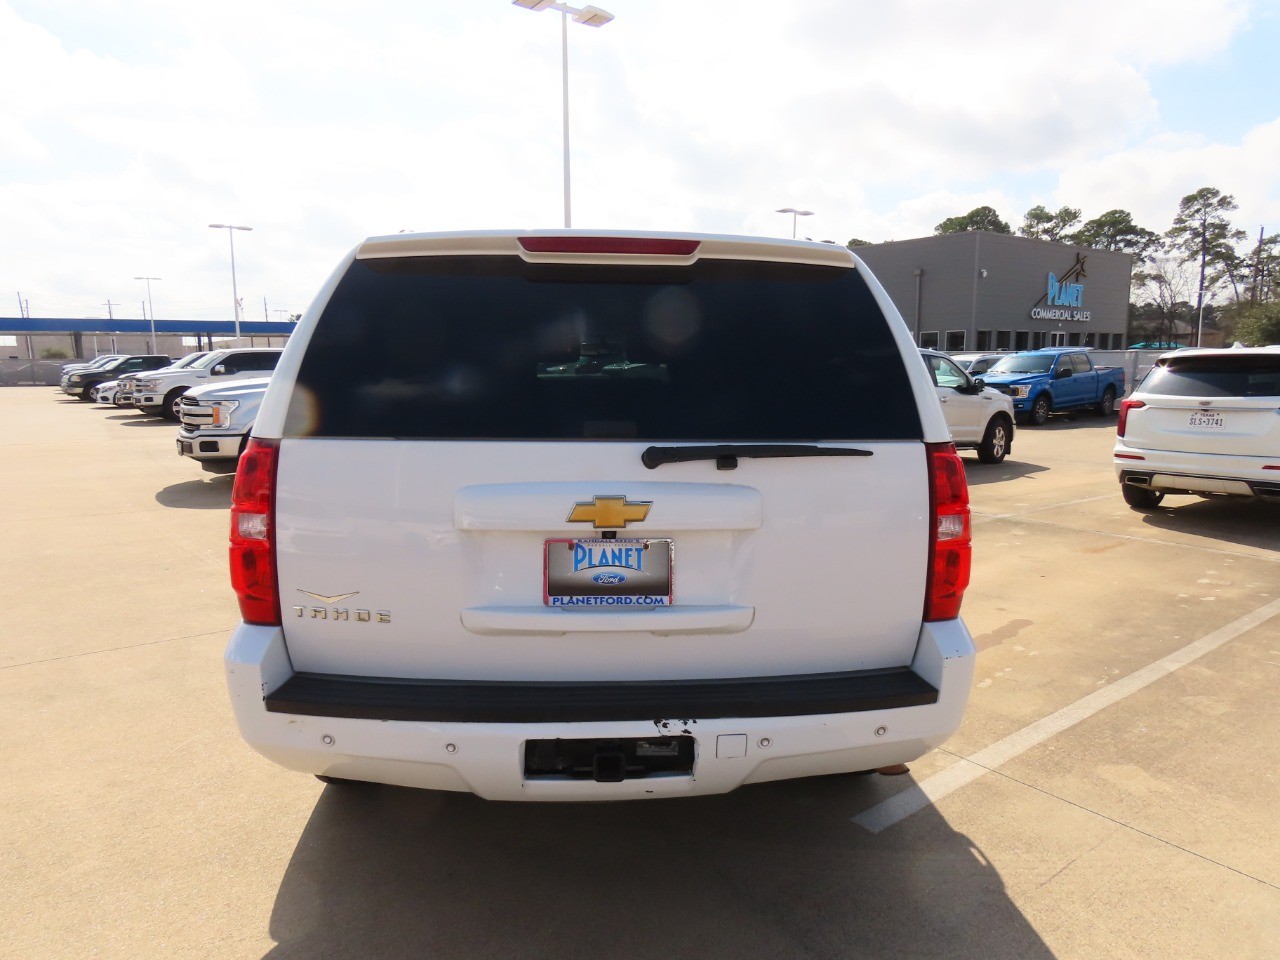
[
  {"x": 1172, "y": 472},
  {"x": 453, "y": 735}
]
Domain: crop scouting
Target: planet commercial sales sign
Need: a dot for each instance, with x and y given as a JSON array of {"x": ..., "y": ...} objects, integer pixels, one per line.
[{"x": 1064, "y": 297}]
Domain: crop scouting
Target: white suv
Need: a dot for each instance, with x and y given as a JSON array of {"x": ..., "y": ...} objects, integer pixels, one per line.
[
  {"x": 979, "y": 417},
  {"x": 161, "y": 392},
  {"x": 1203, "y": 422},
  {"x": 564, "y": 516}
]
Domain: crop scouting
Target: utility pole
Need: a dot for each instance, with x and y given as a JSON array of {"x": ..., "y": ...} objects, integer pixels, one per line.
[
  {"x": 109, "y": 305},
  {"x": 1257, "y": 267}
]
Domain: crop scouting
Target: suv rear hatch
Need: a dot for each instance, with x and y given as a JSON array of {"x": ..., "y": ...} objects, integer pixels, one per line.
[
  {"x": 482, "y": 472},
  {"x": 1218, "y": 403}
]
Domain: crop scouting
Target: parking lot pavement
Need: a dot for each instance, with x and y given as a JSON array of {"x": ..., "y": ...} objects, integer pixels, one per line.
[{"x": 1112, "y": 792}]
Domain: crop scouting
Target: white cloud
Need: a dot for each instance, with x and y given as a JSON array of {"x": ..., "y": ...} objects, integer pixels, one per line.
[{"x": 319, "y": 123}]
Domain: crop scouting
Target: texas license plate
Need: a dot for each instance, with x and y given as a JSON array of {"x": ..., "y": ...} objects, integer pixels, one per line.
[
  {"x": 617, "y": 574},
  {"x": 1206, "y": 421}
]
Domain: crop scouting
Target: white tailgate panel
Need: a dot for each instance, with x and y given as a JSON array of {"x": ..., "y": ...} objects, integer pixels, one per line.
[
  {"x": 781, "y": 566},
  {"x": 1250, "y": 426}
]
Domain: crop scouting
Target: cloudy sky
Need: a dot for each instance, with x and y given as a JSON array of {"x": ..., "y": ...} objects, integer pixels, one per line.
[{"x": 127, "y": 126}]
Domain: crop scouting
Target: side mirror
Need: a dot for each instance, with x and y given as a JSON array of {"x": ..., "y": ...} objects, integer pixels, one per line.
[
  {"x": 979, "y": 384},
  {"x": 219, "y": 370},
  {"x": 1062, "y": 373}
]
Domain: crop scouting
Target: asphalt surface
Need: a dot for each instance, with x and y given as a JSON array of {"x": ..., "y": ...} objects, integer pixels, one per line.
[{"x": 1112, "y": 793}]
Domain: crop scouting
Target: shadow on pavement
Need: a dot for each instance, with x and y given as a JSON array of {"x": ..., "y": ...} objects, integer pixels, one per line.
[
  {"x": 138, "y": 420},
  {"x": 213, "y": 493},
  {"x": 1248, "y": 522},
  {"x": 1086, "y": 420},
  {"x": 774, "y": 870},
  {"x": 979, "y": 473}
]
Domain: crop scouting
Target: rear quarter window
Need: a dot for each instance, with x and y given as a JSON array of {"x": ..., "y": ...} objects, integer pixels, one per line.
[
  {"x": 1243, "y": 376},
  {"x": 494, "y": 348}
]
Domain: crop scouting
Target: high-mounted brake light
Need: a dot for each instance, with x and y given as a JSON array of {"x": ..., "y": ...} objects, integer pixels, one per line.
[
  {"x": 634, "y": 246},
  {"x": 1125, "y": 407},
  {"x": 950, "y": 539},
  {"x": 253, "y": 520}
]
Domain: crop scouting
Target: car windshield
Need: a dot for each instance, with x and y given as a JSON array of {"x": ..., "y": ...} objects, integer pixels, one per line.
[
  {"x": 1215, "y": 376},
  {"x": 1023, "y": 363}
]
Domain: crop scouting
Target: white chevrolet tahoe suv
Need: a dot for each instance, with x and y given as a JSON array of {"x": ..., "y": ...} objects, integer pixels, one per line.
[
  {"x": 565, "y": 516},
  {"x": 161, "y": 393},
  {"x": 216, "y": 420}
]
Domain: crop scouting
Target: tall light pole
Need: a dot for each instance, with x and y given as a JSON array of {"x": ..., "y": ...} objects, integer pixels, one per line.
[
  {"x": 794, "y": 214},
  {"x": 150, "y": 309},
  {"x": 588, "y": 16},
  {"x": 235, "y": 295}
]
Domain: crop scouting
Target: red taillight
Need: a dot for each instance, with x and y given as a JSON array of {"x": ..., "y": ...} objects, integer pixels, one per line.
[
  {"x": 950, "y": 542},
  {"x": 253, "y": 520},
  {"x": 633, "y": 246},
  {"x": 1125, "y": 407}
]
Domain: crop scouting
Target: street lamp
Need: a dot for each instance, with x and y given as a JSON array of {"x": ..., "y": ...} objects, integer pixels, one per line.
[
  {"x": 151, "y": 310},
  {"x": 794, "y": 214},
  {"x": 235, "y": 296},
  {"x": 588, "y": 16}
]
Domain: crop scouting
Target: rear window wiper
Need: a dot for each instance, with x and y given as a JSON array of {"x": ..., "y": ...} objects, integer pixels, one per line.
[{"x": 726, "y": 454}]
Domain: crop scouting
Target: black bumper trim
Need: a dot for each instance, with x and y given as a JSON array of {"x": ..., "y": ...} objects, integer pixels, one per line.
[{"x": 487, "y": 701}]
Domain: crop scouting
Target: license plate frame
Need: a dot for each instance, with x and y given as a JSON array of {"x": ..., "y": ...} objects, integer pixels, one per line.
[{"x": 596, "y": 573}]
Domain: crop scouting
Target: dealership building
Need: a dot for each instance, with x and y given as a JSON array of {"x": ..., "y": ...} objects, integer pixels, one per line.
[{"x": 982, "y": 291}]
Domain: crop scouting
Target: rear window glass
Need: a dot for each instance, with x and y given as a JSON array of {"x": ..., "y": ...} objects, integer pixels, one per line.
[
  {"x": 494, "y": 348},
  {"x": 1243, "y": 376}
]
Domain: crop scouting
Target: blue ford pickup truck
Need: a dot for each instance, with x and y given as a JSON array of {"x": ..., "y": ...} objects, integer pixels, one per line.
[{"x": 1056, "y": 380}]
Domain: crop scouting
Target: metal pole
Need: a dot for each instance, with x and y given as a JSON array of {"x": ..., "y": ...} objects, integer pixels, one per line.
[
  {"x": 564, "y": 84},
  {"x": 151, "y": 310},
  {"x": 235, "y": 295}
]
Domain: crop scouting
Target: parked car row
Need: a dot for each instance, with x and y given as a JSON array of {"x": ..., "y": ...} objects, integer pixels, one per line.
[{"x": 215, "y": 394}]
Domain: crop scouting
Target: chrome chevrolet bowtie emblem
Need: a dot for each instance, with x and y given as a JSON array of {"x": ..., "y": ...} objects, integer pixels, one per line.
[{"x": 605, "y": 513}]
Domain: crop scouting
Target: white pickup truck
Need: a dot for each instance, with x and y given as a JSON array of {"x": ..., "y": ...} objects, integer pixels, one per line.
[
  {"x": 569, "y": 516},
  {"x": 216, "y": 421},
  {"x": 161, "y": 392}
]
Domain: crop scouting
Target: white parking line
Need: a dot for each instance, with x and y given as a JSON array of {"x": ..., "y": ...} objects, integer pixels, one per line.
[{"x": 934, "y": 788}]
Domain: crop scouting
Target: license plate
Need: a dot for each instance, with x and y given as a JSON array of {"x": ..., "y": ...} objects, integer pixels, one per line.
[
  {"x": 1206, "y": 421},
  {"x": 615, "y": 574}
]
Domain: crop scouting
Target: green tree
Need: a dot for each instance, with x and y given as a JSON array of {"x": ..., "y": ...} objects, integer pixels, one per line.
[
  {"x": 1040, "y": 224},
  {"x": 1115, "y": 230},
  {"x": 979, "y": 218},
  {"x": 1203, "y": 234},
  {"x": 1263, "y": 268},
  {"x": 1258, "y": 324},
  {"x": 855, "y": 242}
]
